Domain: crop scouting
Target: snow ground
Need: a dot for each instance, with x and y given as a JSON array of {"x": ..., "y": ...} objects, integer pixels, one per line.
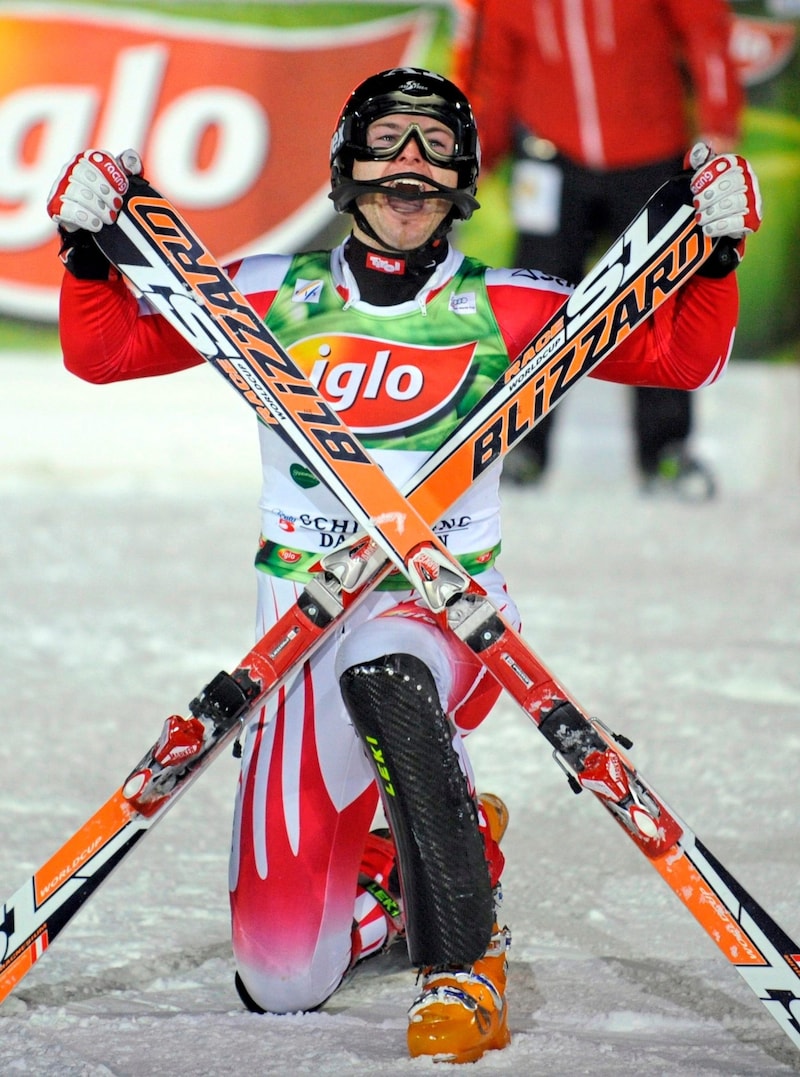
[{"x": 128, "y": 526}]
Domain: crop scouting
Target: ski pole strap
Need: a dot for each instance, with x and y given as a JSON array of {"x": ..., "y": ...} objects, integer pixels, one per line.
[{"x": 277, "y": 559}]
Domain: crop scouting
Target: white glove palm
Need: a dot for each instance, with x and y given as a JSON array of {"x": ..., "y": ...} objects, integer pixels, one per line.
[{"x": 88, "y": 192}]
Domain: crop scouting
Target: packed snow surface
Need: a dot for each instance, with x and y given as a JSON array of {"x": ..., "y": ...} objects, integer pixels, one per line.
[{"x": 129, "y": 523}]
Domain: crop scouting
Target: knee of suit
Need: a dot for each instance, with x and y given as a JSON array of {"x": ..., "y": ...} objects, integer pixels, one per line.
[
  {"x": 294, "y": 988},
  {"x": 399, "y": 635}
]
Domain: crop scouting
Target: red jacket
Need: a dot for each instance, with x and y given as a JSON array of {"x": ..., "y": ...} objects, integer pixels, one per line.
[{"x": 601, "y": 79}]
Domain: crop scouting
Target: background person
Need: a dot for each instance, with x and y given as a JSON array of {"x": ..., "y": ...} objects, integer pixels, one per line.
[{"x": 597, "y": 101}]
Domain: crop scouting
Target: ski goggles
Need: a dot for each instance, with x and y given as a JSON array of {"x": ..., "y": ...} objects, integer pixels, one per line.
[{"x": 433, "y": 154}]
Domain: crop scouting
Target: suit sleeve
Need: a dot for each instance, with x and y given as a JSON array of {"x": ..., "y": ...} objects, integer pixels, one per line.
[
  {"x": 106, "y": 336},
  {"x": 687, "y": 342}
]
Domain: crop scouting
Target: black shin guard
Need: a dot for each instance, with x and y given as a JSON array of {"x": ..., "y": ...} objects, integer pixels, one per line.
[{"x": 444, "y": 878}]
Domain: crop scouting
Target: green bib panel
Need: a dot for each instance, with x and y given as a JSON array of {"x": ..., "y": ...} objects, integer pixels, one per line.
[{"x": 400, "y": 377}]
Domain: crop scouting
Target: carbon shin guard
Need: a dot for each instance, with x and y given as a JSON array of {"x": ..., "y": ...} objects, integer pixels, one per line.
[{"x": 444, "y": 879}]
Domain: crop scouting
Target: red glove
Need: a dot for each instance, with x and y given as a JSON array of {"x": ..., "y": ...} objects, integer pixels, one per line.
[
  {"x": 726, "y": 193},
  {"x": 88, "y": 192}
]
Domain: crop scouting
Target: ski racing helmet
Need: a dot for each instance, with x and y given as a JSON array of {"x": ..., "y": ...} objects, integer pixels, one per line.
[{"x": 418, "y": 92}]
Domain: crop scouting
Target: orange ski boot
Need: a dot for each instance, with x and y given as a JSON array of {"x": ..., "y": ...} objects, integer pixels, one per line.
[{"x": 461, "y": 1012}]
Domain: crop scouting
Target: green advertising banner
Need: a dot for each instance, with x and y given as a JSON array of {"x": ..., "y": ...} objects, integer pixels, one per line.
[{"x": 766, "y": 45}]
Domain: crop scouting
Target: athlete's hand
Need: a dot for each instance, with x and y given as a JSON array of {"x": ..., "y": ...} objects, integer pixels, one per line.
[
  {"x": 87, "y": 195},
  {"x": 88, "y": 191},
  {"x": 726, "y": 194}
]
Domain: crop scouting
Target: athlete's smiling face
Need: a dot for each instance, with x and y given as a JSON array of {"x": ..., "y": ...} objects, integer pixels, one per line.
[{"x": 404, "y": 225}]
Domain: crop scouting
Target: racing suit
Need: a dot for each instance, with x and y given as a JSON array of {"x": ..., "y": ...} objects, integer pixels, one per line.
[{"x": 403, "y": 376}]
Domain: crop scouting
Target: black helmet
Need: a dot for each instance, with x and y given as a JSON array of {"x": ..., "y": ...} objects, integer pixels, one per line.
[{"x": 412, "y": 90}]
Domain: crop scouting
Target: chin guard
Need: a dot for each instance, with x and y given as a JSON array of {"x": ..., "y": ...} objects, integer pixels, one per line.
[{"x": 344, "y": 195}]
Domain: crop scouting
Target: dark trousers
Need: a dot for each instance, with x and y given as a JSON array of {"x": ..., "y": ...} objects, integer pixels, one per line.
[{"x": 595, "y": 209}]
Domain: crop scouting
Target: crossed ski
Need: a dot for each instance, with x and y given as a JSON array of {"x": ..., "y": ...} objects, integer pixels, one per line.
[{"x": 168, "y": 264}]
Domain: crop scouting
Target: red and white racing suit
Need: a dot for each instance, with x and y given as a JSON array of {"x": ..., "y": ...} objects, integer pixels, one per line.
[{"x": 306, "y": 796}]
